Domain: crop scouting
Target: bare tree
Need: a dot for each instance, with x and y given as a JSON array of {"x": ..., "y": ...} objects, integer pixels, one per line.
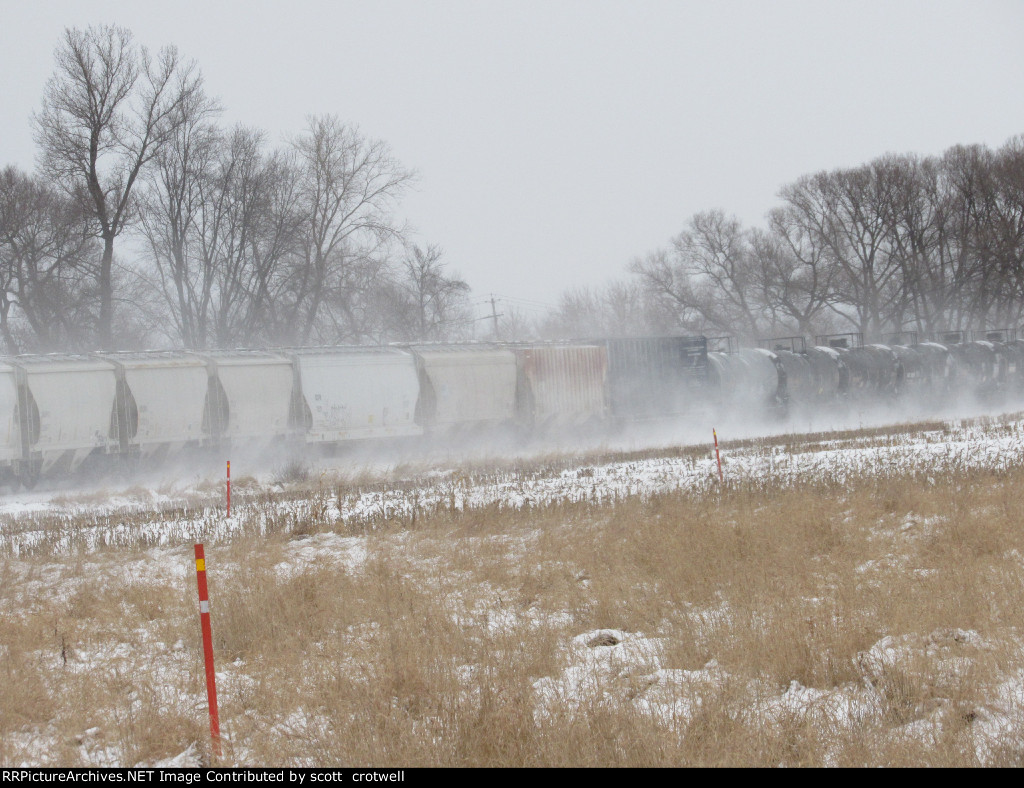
[
  {"x": 1008, "y": 181},
  {"x": 923, "y": 246},
  {"x": 622, "y": 308},
  {"x": 709, "y": 276},
  {"x": 796, "y": 272},
  {"x": 969, "y": 199},
  {"x": 44, "y": 243},
  {"x": 665, "y": 282},
  {"x": 179, "y": 180},
  {"x": 108, "y": 110},
  {"x": 349, "y": 186},
  {"x": 434, "y": 304},
  {"x": 246, "y": 230},
  {"x": 628, "y": 311},
  {"x": 579, "y": 313},
  {"x": 221, "y": 224},
  {"x": 515, "y": 324},
  {"x": 849, "y": 212}
]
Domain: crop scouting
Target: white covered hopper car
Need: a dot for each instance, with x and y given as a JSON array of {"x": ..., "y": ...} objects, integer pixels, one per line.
[{"x": 355, "y": 393}]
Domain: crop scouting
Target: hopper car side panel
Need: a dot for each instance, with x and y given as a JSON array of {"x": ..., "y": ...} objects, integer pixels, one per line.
[
  {"x": 75, "y": 401},
  {"x": 162, "y": 406},
  {"x": 467, "y": 386},
  {"x": 566, "y": 384},
  {"x": 170, "y": 403},
  {"x": 10, "y": 435},
  {"x": 258, "y": 391},
  {"x": 358, "y": 395}
]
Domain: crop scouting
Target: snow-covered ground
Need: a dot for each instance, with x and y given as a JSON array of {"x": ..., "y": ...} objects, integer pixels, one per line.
[
  {"x": 619, "y": 669},
  {"x": 612, "y": 667},
  {"x": 167, "y": 517}
]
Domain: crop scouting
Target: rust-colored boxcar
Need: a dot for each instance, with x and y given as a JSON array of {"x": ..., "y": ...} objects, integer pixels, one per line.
[{"x": 561, "y": 384}]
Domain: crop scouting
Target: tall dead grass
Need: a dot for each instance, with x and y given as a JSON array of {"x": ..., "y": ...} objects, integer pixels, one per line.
[{"x": 431, "y": 648}]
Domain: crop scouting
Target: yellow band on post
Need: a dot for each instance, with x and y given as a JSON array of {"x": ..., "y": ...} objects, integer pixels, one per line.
[{"x": 200, "y": 565}]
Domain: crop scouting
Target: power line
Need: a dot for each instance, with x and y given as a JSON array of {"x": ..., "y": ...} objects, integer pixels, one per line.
[
  {"x": 530, "y": 302},
  {"x": 517, "y": 303}
]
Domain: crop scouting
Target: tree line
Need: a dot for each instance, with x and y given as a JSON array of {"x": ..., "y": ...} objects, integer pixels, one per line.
[
  {"x": 149, "y": 222},
  {"x": 904, "y": 243}
]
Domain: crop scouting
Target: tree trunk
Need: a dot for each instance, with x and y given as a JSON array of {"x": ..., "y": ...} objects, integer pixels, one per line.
[{"x": 104, "y": 328}]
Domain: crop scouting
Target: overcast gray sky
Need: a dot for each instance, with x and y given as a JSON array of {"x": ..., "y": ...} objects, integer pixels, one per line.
[{"x": 557, "y": 140}]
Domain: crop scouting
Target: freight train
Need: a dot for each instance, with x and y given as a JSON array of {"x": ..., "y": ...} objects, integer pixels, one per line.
[{"x": 64, "y": 411}]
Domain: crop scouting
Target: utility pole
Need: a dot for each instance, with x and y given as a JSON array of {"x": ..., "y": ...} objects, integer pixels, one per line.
[{"x": 494, "y": 316}]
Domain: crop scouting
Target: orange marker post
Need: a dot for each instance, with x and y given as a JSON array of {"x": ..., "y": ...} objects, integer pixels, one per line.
[
  {"x": 229, "y": 488},
  {"x": 204, "y": 620},
  {"x": 721, "y": 479}
]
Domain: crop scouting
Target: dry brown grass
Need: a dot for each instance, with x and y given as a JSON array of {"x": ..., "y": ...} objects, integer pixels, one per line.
[{"x": 426, "y": 646}]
